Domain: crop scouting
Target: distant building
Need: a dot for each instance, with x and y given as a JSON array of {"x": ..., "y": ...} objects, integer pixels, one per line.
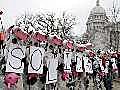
[
  {"x": 113, "y": 33},
  {"x": 101, "y": 31}
]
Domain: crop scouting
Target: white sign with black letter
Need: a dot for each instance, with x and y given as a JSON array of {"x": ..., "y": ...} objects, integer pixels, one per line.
[
  {"x": 15, "y": 55},
  {"x": 101, "y": 66},
  {"x": 87, "y": 65},
  {"x": 36, "y": 60},
  {"x": 106, "y": 67},
  {"x": 67, "y": 61},
  {"x": 78, "y": 59},
  {"x": 114, "y": 64},
  {"x": 52, "y": 64}
]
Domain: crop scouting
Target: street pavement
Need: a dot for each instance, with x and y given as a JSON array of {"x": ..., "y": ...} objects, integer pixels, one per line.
[
  {"x": 62, "y": 86},
  {"x": 116, "y": 86}
]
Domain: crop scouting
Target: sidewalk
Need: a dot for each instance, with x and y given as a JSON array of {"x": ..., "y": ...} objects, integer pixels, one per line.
[{"x": 116, "y": 84}]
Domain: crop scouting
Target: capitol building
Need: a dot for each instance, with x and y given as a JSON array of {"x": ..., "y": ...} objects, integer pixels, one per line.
[{"x": 101, "y": 31}]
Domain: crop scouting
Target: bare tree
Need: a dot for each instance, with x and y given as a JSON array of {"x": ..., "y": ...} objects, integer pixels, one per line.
[
  {"x": 60, "y": 26},
  {"x": 48, "y": 23},
  {"x": 115, "y": 12},
  {"x": 26, "y": 21},
  {"x": 66, "y": 24}
]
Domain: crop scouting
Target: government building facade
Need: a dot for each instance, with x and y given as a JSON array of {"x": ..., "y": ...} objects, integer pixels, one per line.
[{"x": 101, "y": 31}]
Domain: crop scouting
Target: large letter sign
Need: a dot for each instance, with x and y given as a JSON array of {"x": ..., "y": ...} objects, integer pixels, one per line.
[
  {"x": 36, "y": 60},
  {"x": 52, "y": 63},
  {"x": 78, "y": 58},
  {"x": 67, "y": 61},
  {"x": 87, "y": 65},
  {"x": 114, "y": 64},
  {"x": 101, "y": 66},
  {"x": 106, "y": 67},
  {"x": 15, "y": 55}
]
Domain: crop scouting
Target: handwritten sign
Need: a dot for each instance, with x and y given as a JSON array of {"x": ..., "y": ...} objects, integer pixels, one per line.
[
  {"x": 15, "y": 55},
  {"x": 114, "y": 64},
  {"x": 36, "y": 60},
  {"x": 67, "y": 61},
  {"x": 52, "y": 64},
  {"x": 87, "y": 65},
  {"x": 78, "y": 59}
]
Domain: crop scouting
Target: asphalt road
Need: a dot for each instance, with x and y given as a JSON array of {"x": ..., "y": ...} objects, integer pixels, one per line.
[{"x": 62, "y": 86}]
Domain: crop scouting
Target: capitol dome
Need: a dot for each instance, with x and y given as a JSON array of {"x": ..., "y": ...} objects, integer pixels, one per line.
[{"x": 98, "y": 9}]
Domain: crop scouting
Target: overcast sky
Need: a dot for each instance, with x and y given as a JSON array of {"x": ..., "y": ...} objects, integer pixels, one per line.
[{"x": 79, "y": 8}]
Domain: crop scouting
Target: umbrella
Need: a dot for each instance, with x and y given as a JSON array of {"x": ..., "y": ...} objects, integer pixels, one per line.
[{"x": 11, "y": 79}]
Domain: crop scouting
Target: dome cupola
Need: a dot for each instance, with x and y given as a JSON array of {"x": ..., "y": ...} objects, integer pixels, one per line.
[{"x": 97, "y": 9}]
